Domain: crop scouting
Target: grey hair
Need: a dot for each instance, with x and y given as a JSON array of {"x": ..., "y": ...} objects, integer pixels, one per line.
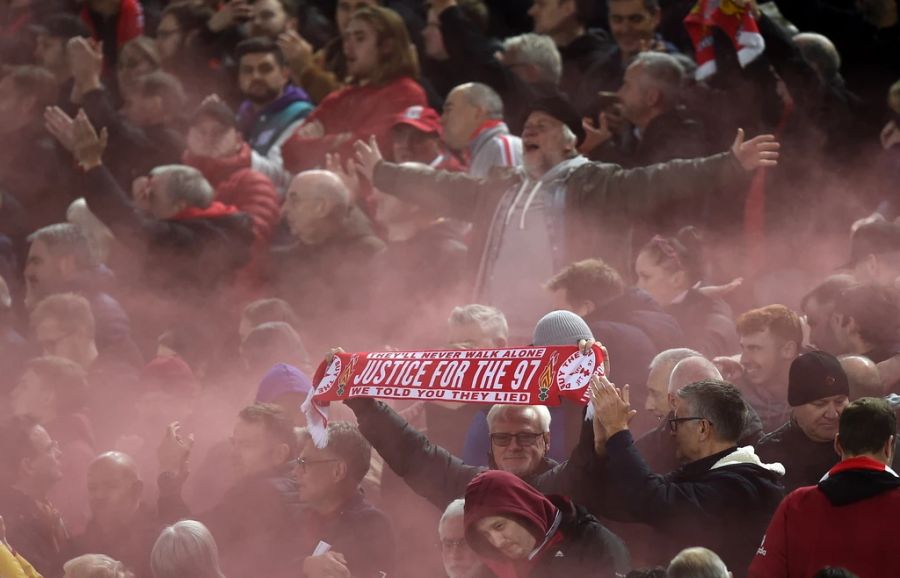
[
  {"x": 543, "y": 414},
  {"x": 95, "y": 566},
  {"x": 538, "y": 50},
  {"x": 454, "y": 509},
  {"x": 673, "y": 356},
  {"x": 99, "y": 237},
  {"x": 663, "y": 72},
  {"x": 691, "y": 370},
  {"x": 820, "y": 53},
  {"x": 185, "y": 550},
  {"x": 484, "y": 97},
  {"x": 718, "y": 402},
  {"x": 489, "y": 319},
  {"x": 569, "y": 137},
  {"x": 66, "y": 240},
  {"x": 697, "y": 563},
  {"x": 187, "y": 184}
]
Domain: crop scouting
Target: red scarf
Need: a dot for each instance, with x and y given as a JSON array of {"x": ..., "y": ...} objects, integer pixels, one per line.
[
  {"x": 218, "y": 170},
  {"x": 129, "y": 22},
  {"x": 213, "y": 211},
  {"x": 858, "y": 463},
  {"x": 735, "y": 21}
]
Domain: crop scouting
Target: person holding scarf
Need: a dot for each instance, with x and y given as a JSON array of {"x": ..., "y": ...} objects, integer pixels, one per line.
[{"x": 519, "y": 532}]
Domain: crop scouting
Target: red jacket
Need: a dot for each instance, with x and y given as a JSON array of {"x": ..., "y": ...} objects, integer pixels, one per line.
[
  {"x": 354, "y": 111},
  {"x": 847, "y": 521},
  {"x": 129, "y": 23}
]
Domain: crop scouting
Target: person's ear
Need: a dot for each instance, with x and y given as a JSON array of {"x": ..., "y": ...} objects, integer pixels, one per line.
[
  {"x": 838, "y": 449},
  {"x": 282, "y": 453},
  {"x": 546, "y": 443},
  {"x": 67, "y": 266},
  {"x": 790, "y": 350},
  {"x": 339, "y": 471},
  {"x": 889, "y": 450},
  {"x": 587, "y": 307}
]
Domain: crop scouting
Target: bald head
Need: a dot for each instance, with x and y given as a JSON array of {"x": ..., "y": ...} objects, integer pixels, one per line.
[
  {"x": 316, "y": 205},
  {"x": 658, "y": 379},
  {"x": 116, "y": 462},
  {"x": 114, "y": 490},
  {"x": 820, "y": 53},
  {"x": 863, "y": 375},
  {"x": 697, "y": 563},
  {"x": 691, "y": 370}
]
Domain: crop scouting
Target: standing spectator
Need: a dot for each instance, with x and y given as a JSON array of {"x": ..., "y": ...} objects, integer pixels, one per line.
[
  {"x": 818, "y": 392},
  {"x": 866, "y": 321},
  {"x": 517, "y": 531},
  {"x": 770, "y": 338},
  {"x": 460, "y": 561},
  {"x": 818, "y": 308},
  {"x": 383, "y": 69},
  {"x": 875, "y": 253},
  {"x": 113, "y": 23},
  {"x": 186, "y": 548},
  {"x": 30, "y": 471},
  {"x": 274, "y": 108},
  {"x": 139, "y": 57},
  {"x": 840, "y": 521}
]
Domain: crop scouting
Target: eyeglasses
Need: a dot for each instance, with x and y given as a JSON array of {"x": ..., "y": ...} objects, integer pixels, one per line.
[
  {"x": 522, "y": 438},
  {"x": 303, "y": 464},
  {"x": 674, "y": 421},
  {"x": 448, "y": 545}
]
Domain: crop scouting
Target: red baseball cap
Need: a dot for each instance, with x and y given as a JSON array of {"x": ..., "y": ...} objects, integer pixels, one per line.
[{"x": 421, "y": 118}]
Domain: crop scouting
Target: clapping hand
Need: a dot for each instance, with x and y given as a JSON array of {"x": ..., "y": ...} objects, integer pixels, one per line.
[
  {"x": 368, "y": 155},
  {"x": 87, "y": 145},
  {"x": 611, "y": 405}
]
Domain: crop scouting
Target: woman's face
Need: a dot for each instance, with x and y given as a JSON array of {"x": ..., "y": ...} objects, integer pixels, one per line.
[
  {"x": 361, "y": 49},
  {"x": 664, "y": 286}
]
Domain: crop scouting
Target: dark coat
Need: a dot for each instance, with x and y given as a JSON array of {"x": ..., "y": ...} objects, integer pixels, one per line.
[
  {"x": 725, "y": 509},
  {"x": 36, "y": 532},
  {"x": 804, "y": 460},
  {"x": 577, "y": 59},
  {"x": 362, "y": 533},
  {"x": 131, "y": 545},
  {"x": 635, "y": 307},
  {"x": 602, "y": 200},
  {"x": 707, "y": 323}
]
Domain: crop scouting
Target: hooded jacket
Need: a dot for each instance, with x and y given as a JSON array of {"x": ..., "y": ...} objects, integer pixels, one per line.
[
  {"x": 268, "y": 128},
  {"x": 569, "y": 541},
  {"x": 846, "y": 520},
  {"x": 722, "y": 502}
]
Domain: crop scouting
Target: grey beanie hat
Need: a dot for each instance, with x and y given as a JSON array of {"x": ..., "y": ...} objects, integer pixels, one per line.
[{"x": 560, "y": 328}]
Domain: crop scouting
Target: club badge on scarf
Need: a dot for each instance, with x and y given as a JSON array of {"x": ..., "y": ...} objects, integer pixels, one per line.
[
  {"x": 519, "y": 376},
  {"x": 733, "y": 19}
]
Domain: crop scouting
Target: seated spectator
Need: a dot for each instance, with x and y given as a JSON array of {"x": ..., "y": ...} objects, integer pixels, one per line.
[
  {"x": 460, "y": 561},
  {"x": 121, "y": 525},
  {"x": 139, "y": 57},
  {"x": 382, "y": 66},
  {"x": 255, "y": 519},
  {"x": 721, "y": 498},
  {"x": 417, "y": 137},
  {"x": 335, "y": 511},
  {"x": 697, "y": 563},
  {"x": 517, "y": 531},
  {"x": 95, "y": 566},
  {"x": 30, "y": 472},
  {"x": 274, "y": 108},
  {"x": 61, "y": 260},
  {"x": 473, "y": 123},
  {"x": 818, "y": 307},
  {"x": 113, "y": 23},
  {"x": 866, "y": 321},
  {"x": 658, "y": 447},
  {"x": 818, "y": 392},
  {"x": 55, "y": 392},
  {"x": 875, "y": 253},
  {"x": 671, "y": 270},
  {"x": 770, "y": 338},
  {"x": 50, "y": 52},
  {"x": 186, "y": 548},
  {"x": 863, "y": 376},
  {"x": 33, "y": 172},
  {"x": 840, "y": 521}
]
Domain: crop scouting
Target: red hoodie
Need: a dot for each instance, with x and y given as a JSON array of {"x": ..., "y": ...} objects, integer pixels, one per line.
[{"x": 497, "y": 493}]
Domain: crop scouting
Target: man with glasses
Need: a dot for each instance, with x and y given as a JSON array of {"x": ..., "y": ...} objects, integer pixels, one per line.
[
  {"x": 460, "y": 561},
  {"x": 342, "y": 534},
  {"x": 723, "y": 495}
]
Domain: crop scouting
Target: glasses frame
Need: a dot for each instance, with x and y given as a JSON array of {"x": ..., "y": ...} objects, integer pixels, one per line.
[
  {"x": 518, "y": 437},
  {"x": 303, "y": 464},
  {"x": 674, "y": 421}
]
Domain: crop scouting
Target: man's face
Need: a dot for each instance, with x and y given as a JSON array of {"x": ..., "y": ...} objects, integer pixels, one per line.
[
  {"x": 434, "y": 37},
  {"x": 460, "y": 119},
  {"x": 43, "y": 465},
  {"x": 261, "y": 78},
  {"x": 143, "y": 110},
  {"x": 269, "y": 19},
  {"x": 460, "y": 561},
  {"x": 44, "y": 272},
  {"x": 254, "y": 450},
  {"x": 469, "y": 336},
  {"x": 169, "y": 38},
  {"x": 410, "y": 145},
  {"x": 658, "y": 390},
  {"x": 50, "y": 52},
  {"x": 517, "y": 458},
  {"x": 510, "y": 538},
  {"x": 130, "y": 67},
  {"x": 543, "y": 144},
  {"x": 151, "y": 194},
  {"x": 113, "y": 494},
  {"x": 818, "y": 317},
  {"x": 15, "y": 110},
  {"x": 30, "y": 397},
  {"x": 765, "y": 357},
  {"x": 317, "y": 474},
  {"x": 361, "y": 49},
  {"x": 687, "y": 433},
  {"x": 208, "y": 137},
  {"x": 346, "y": 8},
  {"x": 633, "y": 94},
  {"x": 301, "y": 212},
  {"x": 819, "y": 419},
  {"x": 56, "y": 341},
  {"x": 630, "y": 23},
  {"x": 841, "y": 328},
  {"x": 550, "y": 15}
]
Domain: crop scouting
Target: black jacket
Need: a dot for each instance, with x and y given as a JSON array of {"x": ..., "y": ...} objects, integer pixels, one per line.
[
  {"x": 725, "y": 509},
  {"x": 37, "y": 533},
  {"x": 707, "y": 323},
  {"x": 131, "y": 545},
  {"x": 804, "y": 460},
  {"x": 577, "y": 58},
  {"x": 588, "y": 548},
  {"x": 636, "y": 308}
]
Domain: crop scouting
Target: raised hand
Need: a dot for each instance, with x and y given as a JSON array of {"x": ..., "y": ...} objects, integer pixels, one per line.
[
  {"x": 595, "y": 135},
  {"x": 345, "y": 171},
  {"x": 85, "y": 60},
  {"x": 61, "y": 126},
  {"x": 87, "y": 145},
  {"x": 760, "y": 151},
  {"x": 368, "y": 155},
  {"x": 297, "y": 51},
  {"x": 611, "y": 405},
  {"x": 229, "y": 15},
  {"x": 175, "y": 450}
]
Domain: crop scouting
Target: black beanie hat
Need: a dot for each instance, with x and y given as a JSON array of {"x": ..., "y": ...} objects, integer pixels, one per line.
[
  {"x": 558, "y": 106},
  {"x": 816, "y": 375}
]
